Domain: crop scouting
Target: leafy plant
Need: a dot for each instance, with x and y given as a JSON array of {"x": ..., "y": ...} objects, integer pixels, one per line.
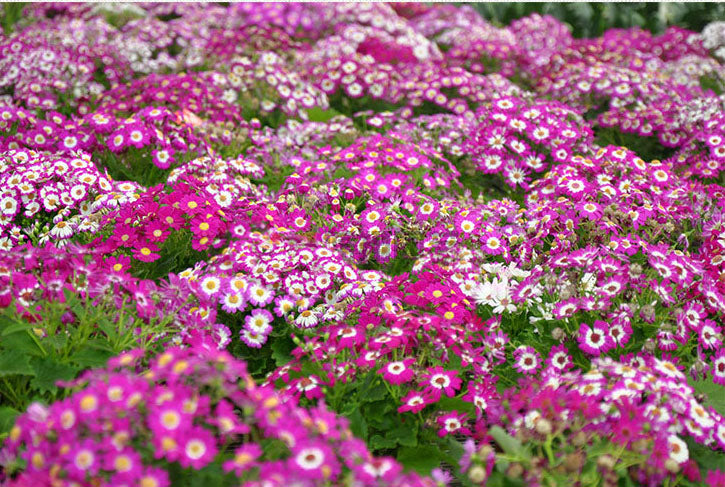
[{"x": 59, "y": 340}]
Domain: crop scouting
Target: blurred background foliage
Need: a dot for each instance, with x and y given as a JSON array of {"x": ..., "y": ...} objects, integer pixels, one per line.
[
  {"x": 10, "y": 14},
  {"x": 591, "y": 19}
]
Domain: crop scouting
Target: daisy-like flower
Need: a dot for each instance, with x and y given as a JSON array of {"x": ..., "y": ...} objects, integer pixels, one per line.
[
  {"x": 453, "y": 423},
  {"x": 678, "y": 449},
  {"x": 62, "y": 229},
  {"x": 252, "y": 338},
  {"x": 244, "y": 458},
  {"x": 314, "y": 461},
  {"x": 440, "y": 381},
  {"x": 210, "y": 285},
  {"x": 306, "y": 319},
  {"x": 232, "y": 302},
  {"x": 398, "y": 372},
  {"x": 595, "y": 340},
  {"x": 198, "y": 448},
  {"x": 259, "y": 295},
  {"x": 559, "y": 358},
  {"x": 718, "y": 367},
  {"x": 526, "y": 360},
  {"x": 414, "y": 402},
  {"x": 259, "y": 321},
  {"x": 492, "y": 244}
]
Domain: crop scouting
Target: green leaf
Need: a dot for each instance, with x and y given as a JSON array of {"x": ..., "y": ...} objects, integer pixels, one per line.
[
  {"x": 456, "y": 404},
  {"x": 377, "y": 414},
  {"x": 706, "y": 458},
  {"x": 422, "y": 459},
  {"x": 508, "y": 443},
  {"x": 7, "y": 418},
  {"x": 90, "y": 357},
  {"x": 21, "y": 342},
  {"x": 715, "y": 394},
  {"x": 317, "y": 114},
  {"x": 9, "y": 325},
  {"x": 14, "y": 362},
  {"x": 372, "y": 388},
  {"x": 358, "y": 425},
  {"x": 48, "y": 372},
  {"x": 378, "y": 442},
  {"x": 405, "y": 434},
  {"x": 282, "y": 350}
]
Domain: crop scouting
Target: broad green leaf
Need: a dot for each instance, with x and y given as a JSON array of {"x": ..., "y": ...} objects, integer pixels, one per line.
[
  {"x": 358, "y": 425},
  {"x": 48, "y": 372},
  {"x": 378, "y": 442},
  {"x": 508, "y": 443},
  {"x": 317, "y": 114},
  {"x": 90, "y": 357},
  {"x": 422, "y": 459},
  {"x": 405, "y": 434},
  {"x": 7, "y": 418},
  {"x": 715, "y": 393},
  {"x": 14, "y": 362},
  {"x": 282, "y": 350}
]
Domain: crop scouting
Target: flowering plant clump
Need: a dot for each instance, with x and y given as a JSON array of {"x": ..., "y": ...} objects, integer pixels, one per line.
[
  {"x": 185, "y": 415},
  {"x": 359, "y": 244},
  {"x": 51, "y": 197},
  {"x": 515, "y": 138}
]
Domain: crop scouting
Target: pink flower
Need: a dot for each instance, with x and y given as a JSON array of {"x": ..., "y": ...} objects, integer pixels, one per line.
[
  {"x": 453, "y": 423},
  {"x": 314, "y": 460},
  {"x": 244, "y": 458},
  {"x": 595, "y": 340},
  {"x": 439, "y": 380},
  {"x": 718, "y": 367},
  {"x": 198, "y": 448},
  {"x": 398, "y": 372},
  {"x": 414, "y": 402},
  {"x": 527, "y": 360}
]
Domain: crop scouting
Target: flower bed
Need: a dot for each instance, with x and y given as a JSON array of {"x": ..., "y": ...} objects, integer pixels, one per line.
[{"x": 327, "y": 244}]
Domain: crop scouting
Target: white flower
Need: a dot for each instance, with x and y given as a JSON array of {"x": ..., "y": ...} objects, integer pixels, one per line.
[
  {"x": 306, "y": 319},
  {"x": 496, "y": 294},
  {"x": 678, "y": 449}
]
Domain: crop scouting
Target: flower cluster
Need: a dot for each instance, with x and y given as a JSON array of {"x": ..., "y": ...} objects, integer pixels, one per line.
[
  {"x": 495, "y": 253},
  {"x": 190, "y": 408}
]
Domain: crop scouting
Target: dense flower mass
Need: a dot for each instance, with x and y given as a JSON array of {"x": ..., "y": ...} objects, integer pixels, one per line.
[{"x": 334, "y": 244}]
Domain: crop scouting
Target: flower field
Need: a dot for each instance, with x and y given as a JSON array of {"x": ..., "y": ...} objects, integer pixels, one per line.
[{"x": 358, "y": 245}]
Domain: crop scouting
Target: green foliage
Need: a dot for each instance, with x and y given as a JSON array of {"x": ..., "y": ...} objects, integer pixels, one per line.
[
  {"x": 11, "y": 14},
  {"x": 275, "y": 353},
  {"x": 176, "y": 254},
  {"x": 591, "y": 19},
  {"x": 135, "y": 165},
  {"x": 60, "y": 340},
  {"x": 648, "y": 148}
]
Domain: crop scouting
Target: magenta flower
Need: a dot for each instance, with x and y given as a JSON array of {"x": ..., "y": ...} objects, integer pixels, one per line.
[
  {"x": 198, "y": 448},
  {"x": 453, "y": 423},
  {"x": 398, "y": 372},
  {"x": 439, "y": 381},
  {"x": 595, "y": 340},
  {"x": 526, "y": 360}
]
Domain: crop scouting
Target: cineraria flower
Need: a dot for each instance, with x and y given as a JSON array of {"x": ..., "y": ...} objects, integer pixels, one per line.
[
  {"x": 595, "y": 340},
  {"x": 453, "y": 423},
  {"x": 438, "y": 381},
  {"x": 526, "y": 360},
  {"x": 398, "y": 372}
]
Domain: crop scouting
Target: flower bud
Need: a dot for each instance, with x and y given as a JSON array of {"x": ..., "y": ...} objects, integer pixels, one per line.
[
  {"x": 515, "y": 470},
  {"x": 606, "y": 462},
  {"x": 558, "y": 334},
  {"x": 477, "y": 474},
  {"x": 543, "y": 426},
  {"x": 672, "y": 466}
]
